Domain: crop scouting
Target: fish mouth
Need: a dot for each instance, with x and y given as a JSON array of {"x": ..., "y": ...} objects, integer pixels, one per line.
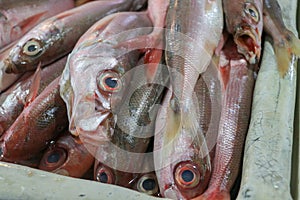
[
  {"x": 9, "y": 67},
  {"x": 248, "y": 44}
]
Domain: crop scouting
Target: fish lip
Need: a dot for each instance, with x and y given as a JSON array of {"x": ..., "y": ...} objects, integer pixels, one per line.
[
  {"x": 243, "y": 33},
  {"x": 9, "y": 66}
]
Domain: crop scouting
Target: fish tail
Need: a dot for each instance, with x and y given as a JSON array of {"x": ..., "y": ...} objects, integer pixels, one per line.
[
  {"x": 283, "y": 58},
  {"x": 284, "y": 52},
  {"x": 295, "y": 44},
  {"x": 172, "y": 125}
]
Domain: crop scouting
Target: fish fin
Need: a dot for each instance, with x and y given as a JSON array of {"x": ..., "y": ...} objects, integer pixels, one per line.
[
  {"x": 173, "y": 123},
  {"x": 283, "y": 58},
  {"x": 291, "y": 45},
  {"x": 35, "y": 85},
  {"x": 28, "y": 23}
]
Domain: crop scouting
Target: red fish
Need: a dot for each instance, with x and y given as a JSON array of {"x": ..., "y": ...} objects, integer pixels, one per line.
[
  {"x": 18, "y": 17},
  {"x": 67, "y": 156},
  {"x": 244, "y": 19},
  {"x": 90, "y": 100},
  {"x": 14, "y": 99},
  {"x": 39, "y": 123},
  {"x": 238, "y": 83},
  {"x": 56, "y": 36}
]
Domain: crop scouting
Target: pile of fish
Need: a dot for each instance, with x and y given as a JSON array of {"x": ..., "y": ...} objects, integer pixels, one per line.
[{"x": 151, "y": 95}]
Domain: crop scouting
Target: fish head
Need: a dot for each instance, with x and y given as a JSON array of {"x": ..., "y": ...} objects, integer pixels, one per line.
[
  {"x": 245, "y": 21},
  {"x": 181, "y": 157},
  {"x": 30, "y": 50},
  {"x": 106, "y": 174},
  {"x": 67, "y": 156},
  {"x": 147, "y": 183},
  {"x": 95, "y": 77},
  {"x": 187, "y": 175}
]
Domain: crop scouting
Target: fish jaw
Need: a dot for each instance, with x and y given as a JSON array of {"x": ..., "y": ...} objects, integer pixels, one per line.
[
  {"x": 248, "y": 43},
  {"x": 244, "y": 21}
]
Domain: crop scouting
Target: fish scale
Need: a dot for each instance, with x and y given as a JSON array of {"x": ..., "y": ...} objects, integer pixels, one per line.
[
  {"x": 18, "y": 17},
  {"x": 56, "y": 36},
  {"x": 34, "y": 127},
  {"x": 13, "y": 100},
  {"x": 234, "y": 122}
]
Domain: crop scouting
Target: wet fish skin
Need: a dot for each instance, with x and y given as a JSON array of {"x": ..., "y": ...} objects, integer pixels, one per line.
[
  {"x": 103, "y": 130},
  {"x": 56, "y": 36},
  {"x": 99, "y": 52},
  {"x": 285, "y": 42},
  {"x": 175, "y": 154},
  {"x": 67, "y": 156},
  {"x": 234, "y": 121},
  {"x": 37, "y": 125},
  {"x": 244, "y": 20},
  {"x": 13, "y": 100},
  {"x": 208, "y": 93},
  {"x": 191, "y": 53},
  {"x": 18, "y": 17}
]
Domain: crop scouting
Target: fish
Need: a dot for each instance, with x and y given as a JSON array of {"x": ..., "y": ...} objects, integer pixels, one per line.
[
  {"x": 18, "y": 17},
  {"x": 39, "y": 123},
  {"x": 15, "y": 99},
  {"x": 67, "y": 156},
  {"x": 244, "y": 20},
  {"x": 100, "y": 125},
  {"x": 102, "y": 49},
  {"x": 285, "y": 43},
  {"x": 237, "y": 78},
  {"x": 195, "y": 29},
  {"x": 189, "y": 52},
  {"x": 56, "y": 36}
]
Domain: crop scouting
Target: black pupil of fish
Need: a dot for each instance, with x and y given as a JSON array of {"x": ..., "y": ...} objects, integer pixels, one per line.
[
  {"x": 149, "y": 184},
  {"x": 54, "y": 157},
  {"x": 32, "y": 48},
  {"x": 111, "y": 82},
  {"x": 103, "y": 178},
  {"x": 252, "y": 13},
  {"x": 187, "y": 175}
]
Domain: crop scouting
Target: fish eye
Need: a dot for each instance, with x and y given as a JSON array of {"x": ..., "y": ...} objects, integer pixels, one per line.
[
  {"x": 32, "y": 48},
  {"x": 148, "y": 184},
  {"x": 53, "y": 159},
  {"x": 187, "y": 175},
  {"x": 109, "y": 81},
  {"x": 252, "y": 11},
  {"x": 104, "y": 175}
]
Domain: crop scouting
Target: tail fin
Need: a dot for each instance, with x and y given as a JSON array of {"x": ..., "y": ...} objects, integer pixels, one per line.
[{"x": 283, "y": 52}]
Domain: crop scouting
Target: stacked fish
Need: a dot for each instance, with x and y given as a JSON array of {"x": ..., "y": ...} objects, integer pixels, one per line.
[{"x": 150, "y": 95}]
